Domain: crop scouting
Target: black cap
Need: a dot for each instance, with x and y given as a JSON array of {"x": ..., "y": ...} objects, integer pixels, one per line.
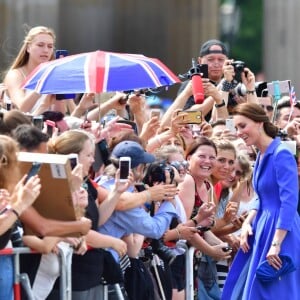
[{"x": 205, "y": 49}]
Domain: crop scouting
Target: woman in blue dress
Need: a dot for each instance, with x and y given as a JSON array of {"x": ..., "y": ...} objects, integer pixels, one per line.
[{"x": 273, "y": 229}]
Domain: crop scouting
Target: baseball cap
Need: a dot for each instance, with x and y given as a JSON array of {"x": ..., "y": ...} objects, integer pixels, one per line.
[
  {"x": 135, "y": 151},
  {"x": 205, "y": 48}
]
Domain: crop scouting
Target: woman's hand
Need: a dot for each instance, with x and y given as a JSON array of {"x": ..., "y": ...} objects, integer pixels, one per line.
[
  {"x": 149, "y": 129},
  {"x": 119, "y": 246},
  {"x": 219, "y": 253},
  {"x": 161, "y": 192},
  {"x": 121, "y": 187},
  {"x": 25, "y": 194},
  {"x": 186, "y": 232},
  {"x": 206, "y": 214},
  {"x": 77, "y": 177},
  {"x": 245, "y": 232}
]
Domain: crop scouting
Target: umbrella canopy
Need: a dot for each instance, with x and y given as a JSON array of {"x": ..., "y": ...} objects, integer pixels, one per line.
[{"x": 99, "y": 71}]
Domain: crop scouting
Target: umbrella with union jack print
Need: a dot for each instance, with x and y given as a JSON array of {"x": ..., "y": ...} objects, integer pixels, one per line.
[{"x": 99, "y": 71}]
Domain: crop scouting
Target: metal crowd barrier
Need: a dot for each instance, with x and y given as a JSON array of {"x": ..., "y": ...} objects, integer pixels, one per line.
[
  {"x": 23, "y": 279},
  {"x": 189, "y": 272}
]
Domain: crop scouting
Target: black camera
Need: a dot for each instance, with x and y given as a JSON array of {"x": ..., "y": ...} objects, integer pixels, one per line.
[
  {"x": 239, "y": 67},
  {"x": 163, "y": 251}
]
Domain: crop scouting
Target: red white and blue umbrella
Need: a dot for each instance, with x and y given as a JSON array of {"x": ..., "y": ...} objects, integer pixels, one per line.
[{"x": 99, "y": 71}]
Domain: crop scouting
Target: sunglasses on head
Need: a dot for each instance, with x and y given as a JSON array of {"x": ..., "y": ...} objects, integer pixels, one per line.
[{"x": 267, "y": 107}]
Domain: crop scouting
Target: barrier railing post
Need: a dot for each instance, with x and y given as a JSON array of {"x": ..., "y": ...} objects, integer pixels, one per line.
[
  {"x": 65, "y": 258},
  {"x": 189, "y": 258}
]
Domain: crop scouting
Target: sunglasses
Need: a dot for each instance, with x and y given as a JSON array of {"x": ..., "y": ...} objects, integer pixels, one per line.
[{"x": 267, "y": 107}]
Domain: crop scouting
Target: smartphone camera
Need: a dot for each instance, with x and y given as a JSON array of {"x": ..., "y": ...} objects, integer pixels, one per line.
[{"x": 124, "y": 166}]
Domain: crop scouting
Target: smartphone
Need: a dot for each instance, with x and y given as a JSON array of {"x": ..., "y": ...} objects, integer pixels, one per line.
[
  {"x": 50, "y": 125},
  {"x": 61, "y": 53},
  {"x": 283, "y": 86},
  {"x": 73, "y": 158},
  {"x": 38, "y": 121},
  {"x": 191, "y": 116},
  {"x": 204, "y": 70},
  {"x": 124, "y": 166},
  {"x": 140, "y": 187},
  {"x": 155, "y": 112},
  {"x": 35, "y": 168},
  {"x": 225, "y": 249},
  {"x": 230, "y": 125},
  {"x": 203, "y": 228}
]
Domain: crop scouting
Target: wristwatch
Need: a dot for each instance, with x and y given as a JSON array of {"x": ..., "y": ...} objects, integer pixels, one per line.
[
  {"x": 221, "y": 104},
  {"x": 275, "y": 244}
]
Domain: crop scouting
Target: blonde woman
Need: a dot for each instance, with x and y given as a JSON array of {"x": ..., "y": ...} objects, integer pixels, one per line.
[{"x": 38, "y": 47}]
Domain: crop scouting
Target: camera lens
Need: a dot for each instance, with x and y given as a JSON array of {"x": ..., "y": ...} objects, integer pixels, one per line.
[{"x": 240, "y": 90}]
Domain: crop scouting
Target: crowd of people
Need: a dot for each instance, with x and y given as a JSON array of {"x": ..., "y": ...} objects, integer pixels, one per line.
[{"x": 227, "y": 186}]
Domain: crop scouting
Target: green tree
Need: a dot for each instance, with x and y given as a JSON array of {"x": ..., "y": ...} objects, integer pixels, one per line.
[{"x": 246, "y": 43}]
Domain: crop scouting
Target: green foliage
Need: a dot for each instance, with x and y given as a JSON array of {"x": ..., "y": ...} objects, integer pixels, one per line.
[{"x": 246, "y": 45}]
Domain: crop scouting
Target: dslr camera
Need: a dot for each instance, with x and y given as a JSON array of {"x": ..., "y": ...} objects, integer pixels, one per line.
[{"x": 239, "y": 67}]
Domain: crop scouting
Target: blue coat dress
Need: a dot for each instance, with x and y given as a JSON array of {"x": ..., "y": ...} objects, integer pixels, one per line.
[{"x": 275, "y": 180}]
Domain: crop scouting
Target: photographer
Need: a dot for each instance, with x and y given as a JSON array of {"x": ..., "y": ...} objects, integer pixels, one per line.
[
  {"x": 213, "y": 53},
  {"x": 235, "y": 73}
]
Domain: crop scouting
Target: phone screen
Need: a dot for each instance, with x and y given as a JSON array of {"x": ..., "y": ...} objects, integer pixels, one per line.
[
  {"x": 38, "y": 121},
  {"x": 230, "y": 125},
  {"x": 124, "y": 166},
  {"x": 35, "y": 168}
]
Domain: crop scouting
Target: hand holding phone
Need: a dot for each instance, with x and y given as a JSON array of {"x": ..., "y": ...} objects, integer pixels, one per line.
[
  {"x": 73, "y": 158},
  {"x": 124, "y": 166},
  {"x": 155, "y": 112},
  {"x": 34, "y": 170},
  {"x": 190, "y": 117},
  {"x": 227, "y": 248}
]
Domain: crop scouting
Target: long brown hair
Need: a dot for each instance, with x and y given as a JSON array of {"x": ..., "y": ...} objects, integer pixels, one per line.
[{"x": 257, "y": 114}]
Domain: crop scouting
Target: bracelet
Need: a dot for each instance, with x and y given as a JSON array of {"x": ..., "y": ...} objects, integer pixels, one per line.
[
  {"x": 275, "y": 244},
  {"x": 178, "y": 233},
  {"x": 250, "y": 92},
  {"x": 9, "y": 208},
  {"x": 221, "y": 104},
  {"x": 195, "y": 221},
  {"x": 227, "y": 86}
]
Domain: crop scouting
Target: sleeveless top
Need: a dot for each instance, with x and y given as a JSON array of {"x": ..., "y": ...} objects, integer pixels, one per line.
[
  {"x": 87, "y": 269},
  {"x": 37, "y": 104}
]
